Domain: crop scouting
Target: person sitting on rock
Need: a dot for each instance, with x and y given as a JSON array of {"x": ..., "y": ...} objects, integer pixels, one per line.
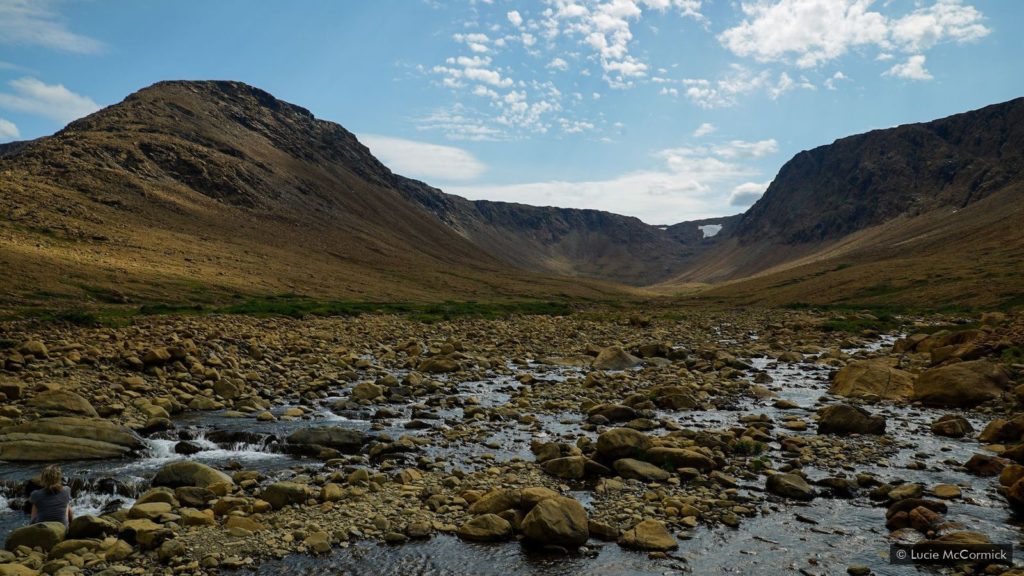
[{"x": 52, "y": 502}]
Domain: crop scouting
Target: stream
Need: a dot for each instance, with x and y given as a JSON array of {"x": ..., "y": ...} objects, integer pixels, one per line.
[{"x": 823, "y": 536}]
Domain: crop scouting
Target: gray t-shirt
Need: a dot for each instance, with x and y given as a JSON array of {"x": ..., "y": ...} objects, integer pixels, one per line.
[{"x": 50, "y": 506}]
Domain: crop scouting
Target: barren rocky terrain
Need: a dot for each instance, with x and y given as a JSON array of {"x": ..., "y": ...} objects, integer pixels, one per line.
[{"x": 619, "y": 442}]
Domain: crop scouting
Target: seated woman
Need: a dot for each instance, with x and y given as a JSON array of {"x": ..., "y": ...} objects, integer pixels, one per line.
[{"x": 52, "y": 502}]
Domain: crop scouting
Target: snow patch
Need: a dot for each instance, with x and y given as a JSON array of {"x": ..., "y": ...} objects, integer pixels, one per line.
[{"x": 710, "y": 230}]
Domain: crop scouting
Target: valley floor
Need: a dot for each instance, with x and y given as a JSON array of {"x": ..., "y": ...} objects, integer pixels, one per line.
[{"x": 603, "y": 441}]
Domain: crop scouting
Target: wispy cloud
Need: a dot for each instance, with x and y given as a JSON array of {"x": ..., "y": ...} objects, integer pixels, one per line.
[
  {"x": 8, "y": 131},
  {"x": 53, "y": 101},
  {"x": 423, "y": 159},
  {"x": 37, "y": 23},
  {"x": 704, "y": 129}
]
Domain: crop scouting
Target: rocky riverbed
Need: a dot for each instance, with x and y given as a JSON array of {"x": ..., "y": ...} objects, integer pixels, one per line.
[{"x": 605, "y": 442}]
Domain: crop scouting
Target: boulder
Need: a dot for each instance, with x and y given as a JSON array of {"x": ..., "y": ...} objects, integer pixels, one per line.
[
  {"x": 679, "y": 458},
  {"x": 88, "y": 526},
  {"x": 847, "y": 419},
  {"x": 986, "y": 465},
  {"x": 73, "y": 547},
  {"x": 62, "y": 403},
  {"x": 281, "y": 494},
  {"x": 648, "y": 535},
  {"x": 789, "y": 486},
  {"x": 12, "y": 569},
  {"x": 567, "y": 468},
  {"x": 640, "y": 470},
  {"x": 559, "y": 521},
  {"x": 44, "y": 535},
  {"x": 497, "y": 501},
  {"x": 622, "y": 443},
  {"x": 961, "y": 385},
  {"x": 486, "y": 528},
  {"x": 438, "y": 365},
  {"x": 613, "y": 412},
  {"x": 615, "y": 358},
  {"x": 366, "y": 391},
  {"x": 344, "y": 440},
  {"x": 952, "y": 426},
  {"x": 189, "y": 473},
  {"x": 877, "y": 377}
]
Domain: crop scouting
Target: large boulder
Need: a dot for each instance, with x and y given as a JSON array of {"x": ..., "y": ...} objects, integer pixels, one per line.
[
  {"x": 44, "y": 535},
  {"x": 559, "y": 521},
  {"x": 640, "y": 470},
  {"x": 486, "y": 528},
  {"x": 189, "y": 473},
  {"x": 281, "y": 494},
  {"x": 622, "y": 443},
  {"x": 648, "y": 535},
  {"x": 88, "y": 526},
  {"x": 497, "y": 501},
  {"x": 789, "y": 486},
  {"x": 877, "y": 377},
  {"x": 961, "y": 385},
  {"x": 62, "y": 403},
  {"x": 847, "y": 419},
  {"x": 615, "y": 358},
  {"x": 66, "y": 438},
  {"x": 679, "y": 458},
  {"x": 344, "y": 440},
  {"x": 612, "y": 412}
]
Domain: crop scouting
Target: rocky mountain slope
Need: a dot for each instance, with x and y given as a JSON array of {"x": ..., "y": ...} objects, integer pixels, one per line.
[
  {"x": 185, "y": 186},
  {"x": 922, "y": 213},
  {"x": 203, "y": 190}
]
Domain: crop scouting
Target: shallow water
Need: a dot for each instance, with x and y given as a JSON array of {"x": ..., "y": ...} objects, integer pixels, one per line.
[{"x": 830, "y": 535}]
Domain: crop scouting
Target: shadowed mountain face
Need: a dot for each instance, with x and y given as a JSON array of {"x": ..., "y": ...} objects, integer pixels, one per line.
[
  {"x": 928, "y": 213},
  {"x": 869, "y": 179}
]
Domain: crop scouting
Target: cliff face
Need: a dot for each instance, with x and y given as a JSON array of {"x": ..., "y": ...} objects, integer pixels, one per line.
[{"x": 867, "y": 179}]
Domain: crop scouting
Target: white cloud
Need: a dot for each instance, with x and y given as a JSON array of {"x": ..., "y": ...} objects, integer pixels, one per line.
[
  {"x": 422, "y": 159},
  {"x": 687, "y": 186},
  {"x": 558, "y": 64},
  {"x": 460, "y": 123},
  {"x": 8, "y": 131},
  {"x": 830, "y": 83},
  {"x": 743, "y": 149},
  {"x": 747, "y": 193},
  {"x": 912, "y": 69},
  {"x": 724, "y": 91},
  {"x": 928, "y": 26},
  {"x": 812, "y": 32},
  {"x": 515, "y": 18},
  {"x": 51, "y": 100},
  {"x": 704, "y": 129},
  {"x": 604, "y": 27},
  {"x": 36, "y": 23}
]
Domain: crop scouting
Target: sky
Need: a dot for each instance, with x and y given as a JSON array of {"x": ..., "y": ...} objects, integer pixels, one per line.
[{"x": 667, "y": 110}]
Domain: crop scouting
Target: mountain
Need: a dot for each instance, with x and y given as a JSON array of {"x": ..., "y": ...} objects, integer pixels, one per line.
[
  {"x": 922, "y": 213},
  {"x": 206, "y": 191},
  {"x": 565, "y": 241},
  {"x": 186, "y": 189}
]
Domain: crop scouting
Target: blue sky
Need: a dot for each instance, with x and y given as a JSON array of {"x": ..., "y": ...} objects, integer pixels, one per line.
[{"x": 667, "y": 110}]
